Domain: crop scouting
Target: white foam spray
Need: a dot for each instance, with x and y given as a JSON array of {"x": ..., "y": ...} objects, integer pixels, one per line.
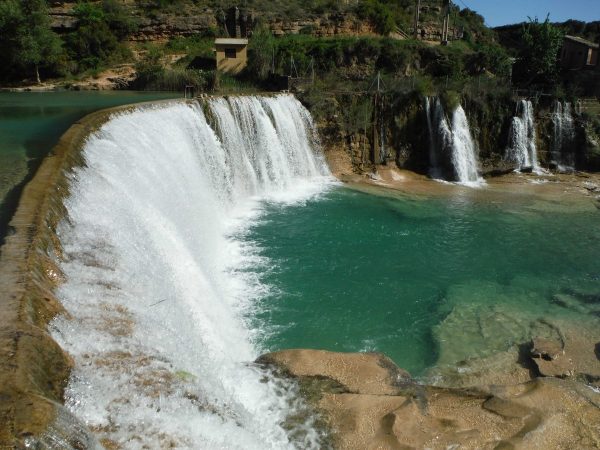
[
  {"x": 451, "y": 141},
  {"x": 156, "y": 290},
  {"x": 464, "y": 156},
  {"x": 563, "y": 152},
  {"x": 522, "y": 138}
]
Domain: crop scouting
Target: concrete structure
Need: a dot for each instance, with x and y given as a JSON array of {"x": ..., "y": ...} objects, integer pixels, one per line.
[
  {"x": 577, "y": 54},
  {"x": 231, "y": 54}
]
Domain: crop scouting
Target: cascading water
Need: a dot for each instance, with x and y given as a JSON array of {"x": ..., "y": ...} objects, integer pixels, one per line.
[
  {"x": 522, "y": 138},
  {"x": 455, "y": 141},
  {"x": 464, "y": 157},
  {"x": 563, "y": 152},
  {"x": 157, "y": 286},
  {"x": 440, "y": 135}
]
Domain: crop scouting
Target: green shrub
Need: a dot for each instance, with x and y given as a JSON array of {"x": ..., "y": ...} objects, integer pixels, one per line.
[
  {"x": 152, "y": 78},
  {"x": 450, "y": 99},
  {"x": 379, "y": 14}
]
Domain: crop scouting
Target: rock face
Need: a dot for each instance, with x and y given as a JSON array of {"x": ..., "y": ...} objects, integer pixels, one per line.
[
  {"x": 381, "y": 408},
  {"x": 193, "y": 19}
]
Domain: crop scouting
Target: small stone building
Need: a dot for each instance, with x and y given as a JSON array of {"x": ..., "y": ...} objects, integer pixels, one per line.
[
  {"x": 577, "y": 53},
  {"x": 231, "y": 54}
]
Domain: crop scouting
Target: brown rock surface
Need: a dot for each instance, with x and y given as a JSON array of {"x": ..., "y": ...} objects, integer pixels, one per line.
[
  {"x": 359, "y": 373},
  {"x": 574, "y": 356},
  {"x": 540, "y": 414}
]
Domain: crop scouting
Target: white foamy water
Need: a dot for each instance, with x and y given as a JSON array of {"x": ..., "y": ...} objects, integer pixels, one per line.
[
  {"x": 451, "y": 142},
  {"x": 563, "y": 151},
  {"x": 440, "y": 135},
  {"x": 522, "y": 138},
  {"x": 156, "y": 287},
  {"x": 464, "y": 157}
]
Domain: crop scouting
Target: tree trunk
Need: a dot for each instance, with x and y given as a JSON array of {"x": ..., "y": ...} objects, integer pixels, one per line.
[{"x": 37, "y": 74}]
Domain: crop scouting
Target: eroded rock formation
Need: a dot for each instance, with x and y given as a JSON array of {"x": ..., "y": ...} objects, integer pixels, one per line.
[{"x": 380, "y": 407}]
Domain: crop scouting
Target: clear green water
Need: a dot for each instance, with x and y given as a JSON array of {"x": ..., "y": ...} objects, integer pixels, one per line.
[
  {"x": 32, "y": 122},
  {"x": 422, "y": 280}
]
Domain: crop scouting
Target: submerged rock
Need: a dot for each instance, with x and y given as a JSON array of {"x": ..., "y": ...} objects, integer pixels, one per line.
[{"x": 539, "y": 414}]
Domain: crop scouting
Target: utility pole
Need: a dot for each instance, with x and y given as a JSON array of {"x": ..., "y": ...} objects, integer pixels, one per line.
[
  {"x": 446, "y": 23},
  {"x": 417, "y": 17}
]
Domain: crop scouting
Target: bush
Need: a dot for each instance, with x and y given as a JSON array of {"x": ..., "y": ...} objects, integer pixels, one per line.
[
  {"x": 169, "y": 79},
  {"x": 378, "y": 14},
  {"x": 118, "y": 19}
]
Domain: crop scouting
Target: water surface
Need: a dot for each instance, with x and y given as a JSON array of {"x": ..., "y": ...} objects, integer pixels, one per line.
[{"x": 422, "y": 280}]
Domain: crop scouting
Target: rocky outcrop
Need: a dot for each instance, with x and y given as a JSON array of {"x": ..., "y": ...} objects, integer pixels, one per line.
[
  {"x": 327, "y": 25},
  {"x": 161, "y": 25},
  {"x": 376, "y": 410}
]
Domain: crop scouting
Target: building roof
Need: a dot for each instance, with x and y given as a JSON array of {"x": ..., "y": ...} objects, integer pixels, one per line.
[
  {"x": 581, "y": 41},
  {"x": 231, "y": 41}
]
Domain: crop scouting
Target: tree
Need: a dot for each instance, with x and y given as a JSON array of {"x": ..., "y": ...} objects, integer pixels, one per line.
[
  {"x": 262, "y": 48},
  {"x": 93, "y": 42},
  {"x": 39, "y": 45},
  {"x": 538, "y": 56},
  {"x": 26, "y": 37}
]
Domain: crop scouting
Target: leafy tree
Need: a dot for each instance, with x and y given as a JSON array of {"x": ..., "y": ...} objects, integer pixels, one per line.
[
  {"x": 538, "y": 56},
  {"x": 93, "y": 42},
  {"x": 40, "y": 45},
  {"x": 262, "y": 46},
  {"x": 26, "y": 38},
  {"x": 379, "y": 14},
  {"x": 489, "y": 58}
]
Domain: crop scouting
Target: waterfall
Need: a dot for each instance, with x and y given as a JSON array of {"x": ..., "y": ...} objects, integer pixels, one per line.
[
  {"x": 452, "y": 143},
  {"x": 440, "y": 135},
  {"x": 522, "y": 138},
  {"x": 563, "y": 152},
  {"x": 464, "y": 157},
  {"x": 156, "y": 283}
]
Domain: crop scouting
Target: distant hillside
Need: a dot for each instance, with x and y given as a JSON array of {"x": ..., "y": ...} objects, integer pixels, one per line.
[{"x": 74, "y": 39}]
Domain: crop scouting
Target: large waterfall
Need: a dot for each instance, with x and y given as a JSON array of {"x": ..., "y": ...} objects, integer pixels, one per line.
[
  {"x": 451, "y": 142},
  {"x": 158, "y": 290},
  {"x": 563, "y": 152},
  {"x": 522, "y": 138}
]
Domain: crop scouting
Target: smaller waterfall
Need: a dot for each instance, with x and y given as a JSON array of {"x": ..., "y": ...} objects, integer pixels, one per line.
[
  {"x": 523, "y": 150},
  {"x": 563, "y": 153},
  {"x": 440, "y": 135},
  {"x": 450, "y": 142},
  {"x": 464, "y": 157}
]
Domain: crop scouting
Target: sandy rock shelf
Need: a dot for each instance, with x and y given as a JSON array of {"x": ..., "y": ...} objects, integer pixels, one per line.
[{"x": 368, "y": 403}]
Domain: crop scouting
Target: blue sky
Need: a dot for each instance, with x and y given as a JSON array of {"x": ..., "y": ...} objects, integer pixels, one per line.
[{"x": 502, "y": 12}]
